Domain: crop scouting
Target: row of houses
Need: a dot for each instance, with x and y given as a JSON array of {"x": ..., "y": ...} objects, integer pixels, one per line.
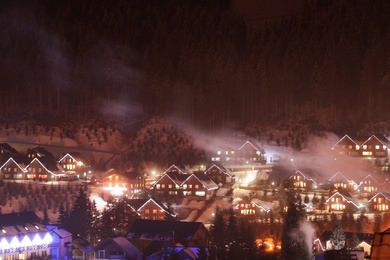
[
  {"x": 365, "y": 186},
  {"x": 39, "y": 164},
  {"x": 374, "y": 146},
  {"x": 174, "y": 181},
  {"x": 24, "y": 236}
]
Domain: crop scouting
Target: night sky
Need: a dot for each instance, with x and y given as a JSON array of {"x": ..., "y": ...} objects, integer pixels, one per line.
[{"x": 211, "y": 63}]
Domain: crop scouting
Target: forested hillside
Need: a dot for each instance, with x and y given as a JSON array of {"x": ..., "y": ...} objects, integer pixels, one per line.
[{"x": 328, "y": 65}]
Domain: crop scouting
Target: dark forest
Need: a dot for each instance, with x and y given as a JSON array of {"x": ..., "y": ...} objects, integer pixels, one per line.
[{"x": 328, "y": 65}]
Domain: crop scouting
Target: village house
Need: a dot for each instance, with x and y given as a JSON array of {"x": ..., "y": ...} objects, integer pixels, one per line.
[
  {"x": 117, "y": 248},
  {"x": 198, "y": 184},
  {"x": 44, "y": 168},
  {"x": 380, "y": 202},
  {"x": 380, "y": 245},
  {"x": 340, "y": 202},
  {"x": 169, "y": 184},
  {"x": 369, "y": 185},
  {"x": 254, "y": 207},
  {"x": 7, "y": 151},
  {"x": 299, "y": 181},
  {"x": 339, "y": 181},
  {"x": 23, "y": 236},
  {"x": 152, "y": 236},
  {"x": 375, "y": 146},
  {"x": 12, "y": 170},
  {"x": 38, "y": 151},
  {"x": 149, "y": 208},
  {"x": 220, "y": 175},
  {"x": 75, "y": 162},
  {"x": 115, "y": 184},
  {"x": 247, "y": 153},
  {"x": 346, "y": 146}
]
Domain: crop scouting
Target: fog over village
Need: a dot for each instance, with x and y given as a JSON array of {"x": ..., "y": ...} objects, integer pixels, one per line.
[{"x": 210, "y": 129}]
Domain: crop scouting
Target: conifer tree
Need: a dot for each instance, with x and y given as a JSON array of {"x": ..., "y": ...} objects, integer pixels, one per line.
[
  {"x": 80, "y": 216},
  {"x": 218, "y": 249},
  {"x": 337, "y": 237},
  {"x": 46, "y": 219},
  {"x": 293, "y": 244}
]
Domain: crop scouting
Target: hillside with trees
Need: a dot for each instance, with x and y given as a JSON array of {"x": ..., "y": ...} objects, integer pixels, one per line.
[{"x": 200, "y": 61}]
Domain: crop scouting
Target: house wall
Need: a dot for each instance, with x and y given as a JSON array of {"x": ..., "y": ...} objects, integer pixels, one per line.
[{"x": 152, "y": 211}]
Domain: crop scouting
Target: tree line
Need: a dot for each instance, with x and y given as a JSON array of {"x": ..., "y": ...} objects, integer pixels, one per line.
[{"x": 197, "y": 60}]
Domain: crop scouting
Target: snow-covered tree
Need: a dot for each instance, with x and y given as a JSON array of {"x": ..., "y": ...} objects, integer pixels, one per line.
[{"x": 337, "y": 237}]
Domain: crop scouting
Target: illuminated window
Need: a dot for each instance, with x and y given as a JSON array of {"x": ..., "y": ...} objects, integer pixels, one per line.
[
  {"x": 158, "y": 186},
  {"x": 163, "y": 186},
  {"x": 170, "y": 186},
  {"x": 184, "y": 186},
  {"x": 155, "y": 211},
  {"x": 377, "y": 147},
  {"x": 196, "y": 186}
]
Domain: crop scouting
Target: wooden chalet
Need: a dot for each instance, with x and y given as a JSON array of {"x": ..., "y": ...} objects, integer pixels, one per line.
[
  {"x": 75, "y": 162},
  {"x": 115, "y": 184},
  {"x": 13, "y": 170},
  {"x": 340, "y": 202},
  {"x": 117, "y": 248},
  {"x": 375, "y": 146},
  {"x": 220, "y": 175},
  {"x": 44, "y": 168},
  {"x": 346, "y": 146},
  {"x": 7, "y": 151},
  {"x": 339, "y": 181},
  {"x": 299, "y": 181},
  {"x": 169, "y": 183},
  {"x": 149, "y": 208},
  {"x": 253, "y": 207},
  {"x": 380, "y": 245},
  {"x": 38, "y": 151},
  {"x": 176, "y": 169},
  {"x": 24, "y": 236},
  {"x": 385, "y": 186},
  {"x": 150, "y": 236},
  {"x": 249, "y": 152},
  {"x": 198, "y": 184},
  {"x": 369, "y": 185},
  {"x": 137, "y": 182},
  {"x": 380, "y": 202}
]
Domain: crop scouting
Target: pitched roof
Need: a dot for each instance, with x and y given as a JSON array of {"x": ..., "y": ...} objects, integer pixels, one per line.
[
  {"x": 174, "y": 168},
  {"x": 76, "y": 156},
  {"x": 9, "y": 149},
  {"x": 380, "y": 138},
  {"x": 137, "y": 204},
  {"x": 203, "y": 178},
  {"x": 385, "y": 195},
  {"x": 345, "y": 137},
  {"x": 252, "y": 144},
  {"x": 164, "y": 230},
  {"x": 21, "y": 223},
  {"x": 357, "y": 203},
  {"x": 220, "y": 168},
  {"x": 49, "y": 163},
  {"x": 298, "y": 172},
  {"x": 124, "y": 244}
]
